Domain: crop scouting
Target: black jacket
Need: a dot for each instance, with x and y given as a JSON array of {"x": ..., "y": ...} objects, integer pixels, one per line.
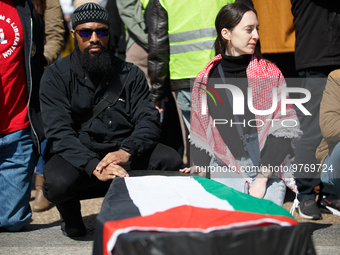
[
  {"x": 34, "y": 63},
  {"x": 159, "y": 55},
  {"x": 67, "y": 95},
  {"x": 317, "y": 26}
]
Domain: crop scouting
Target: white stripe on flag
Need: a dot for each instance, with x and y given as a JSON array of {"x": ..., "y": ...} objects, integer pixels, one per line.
[{"x": 153, "y": 194}]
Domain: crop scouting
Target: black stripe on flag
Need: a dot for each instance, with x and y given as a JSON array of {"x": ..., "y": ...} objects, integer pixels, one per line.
[{"x": 117, "y": 205}]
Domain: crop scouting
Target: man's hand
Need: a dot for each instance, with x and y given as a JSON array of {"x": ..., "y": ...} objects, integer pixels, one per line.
[
  {"x": 258, "y": 189},
  {"x": 110, "y": 172},
  {"x": 120, "y": 157}
]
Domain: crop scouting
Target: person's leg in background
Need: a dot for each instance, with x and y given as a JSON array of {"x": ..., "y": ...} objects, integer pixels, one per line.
[
  {"x": 40, "y": 203},
  {"x": 171, "y": 133},
  {"x": 183, "y": 100},
  {"x": 305, "y": 148},
  {"x": 330, "y": 177},
  {"x": 139, "y": 57},
  {"x": 17, "y": 161}
]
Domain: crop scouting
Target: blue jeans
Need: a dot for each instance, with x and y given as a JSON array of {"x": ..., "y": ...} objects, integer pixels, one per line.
[
  {"x": 330, "y": 174},
  {"x": 276, "y": 189},
  {"x": 183, "y": 99},
  {"x": 17, "y": 161},
  {"x": 39, "y": 169}
]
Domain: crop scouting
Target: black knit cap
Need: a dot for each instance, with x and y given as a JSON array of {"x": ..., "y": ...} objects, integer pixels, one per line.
[{"x": 90, "y": 12}]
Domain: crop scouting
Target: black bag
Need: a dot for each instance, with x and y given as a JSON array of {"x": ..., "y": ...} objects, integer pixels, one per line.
[{"x": 250, "y": 141}]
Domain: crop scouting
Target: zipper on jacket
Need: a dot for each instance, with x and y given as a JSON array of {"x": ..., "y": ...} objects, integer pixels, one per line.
[{"x": 31, "y": 88}]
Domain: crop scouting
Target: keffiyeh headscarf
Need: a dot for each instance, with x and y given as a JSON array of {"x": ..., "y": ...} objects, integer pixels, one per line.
[{"x": 262, "y": 78}]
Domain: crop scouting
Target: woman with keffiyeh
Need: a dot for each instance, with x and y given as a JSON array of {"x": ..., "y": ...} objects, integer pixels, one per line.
[{"x": 222, "y": 146}]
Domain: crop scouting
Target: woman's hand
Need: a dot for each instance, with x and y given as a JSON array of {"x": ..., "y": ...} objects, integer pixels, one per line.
[
  {"x": 194, "y": 169},
  {"x": 186, "y": 170},
  {"x": 258, "y": 189}
]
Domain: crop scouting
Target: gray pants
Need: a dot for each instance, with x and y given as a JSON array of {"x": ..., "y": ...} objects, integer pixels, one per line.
[{"x": 276, "y": 189}]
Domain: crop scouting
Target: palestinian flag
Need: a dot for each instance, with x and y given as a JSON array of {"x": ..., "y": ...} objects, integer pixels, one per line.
[{"x": 181, "y": 204}]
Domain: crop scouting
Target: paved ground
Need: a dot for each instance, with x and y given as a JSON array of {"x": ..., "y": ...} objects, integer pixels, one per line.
[
  {"x": 43, "y": 235},
  {"x": 326, "y": 232}
]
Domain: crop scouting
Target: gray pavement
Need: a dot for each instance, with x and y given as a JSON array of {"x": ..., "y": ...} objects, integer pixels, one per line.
[
  {"x": 326, "y": 238},
  {"x": 46, "y": 240},
  {"x": 43, "y": 235}
]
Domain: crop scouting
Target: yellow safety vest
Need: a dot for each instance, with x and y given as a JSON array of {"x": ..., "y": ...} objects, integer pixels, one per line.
[
  {"x": 145, "y": 4},
  {"x": 191, "y": 29}
]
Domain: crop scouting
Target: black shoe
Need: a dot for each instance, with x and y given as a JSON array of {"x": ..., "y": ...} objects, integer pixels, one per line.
[
  {"x": 329, "y": 205},
  {"x": 72, "y": 229},
  {"x": 70, "y": 218},
  {"x": 308, "y": 209}
]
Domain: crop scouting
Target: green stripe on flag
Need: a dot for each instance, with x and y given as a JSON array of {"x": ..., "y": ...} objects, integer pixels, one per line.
[{"x": 241, "y": 201}]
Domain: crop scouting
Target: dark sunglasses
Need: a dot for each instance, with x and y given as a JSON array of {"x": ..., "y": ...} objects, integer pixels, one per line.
[{"x": 101, "y": 32}]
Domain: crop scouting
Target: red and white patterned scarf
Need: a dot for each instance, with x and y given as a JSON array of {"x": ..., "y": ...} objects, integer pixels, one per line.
[{"x": 262, "y": 78}]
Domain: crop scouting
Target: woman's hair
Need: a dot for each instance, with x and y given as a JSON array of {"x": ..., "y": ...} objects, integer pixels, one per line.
[{"x": 228, "y": 17}]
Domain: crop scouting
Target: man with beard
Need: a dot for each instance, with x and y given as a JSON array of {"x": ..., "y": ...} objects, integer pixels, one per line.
[{"x": 89, "y": 147}]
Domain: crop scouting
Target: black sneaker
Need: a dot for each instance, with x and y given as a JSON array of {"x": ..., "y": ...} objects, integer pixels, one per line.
[
  {"x": 308, "y": 209},
  {"x": 329, "y": 205}
]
